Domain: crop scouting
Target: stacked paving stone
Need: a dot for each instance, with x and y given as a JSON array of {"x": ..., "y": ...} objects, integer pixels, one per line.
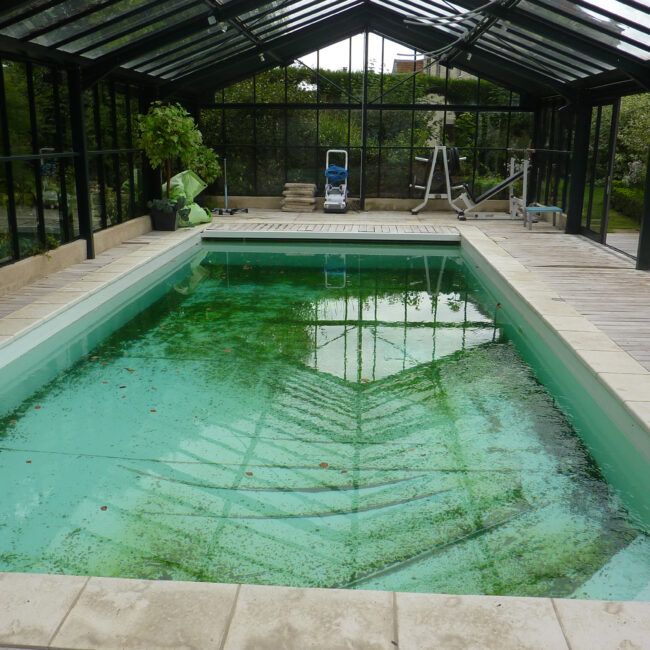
[{"x": 299, "y": 197}]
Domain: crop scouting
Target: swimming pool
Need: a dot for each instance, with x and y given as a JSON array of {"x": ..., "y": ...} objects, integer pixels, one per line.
[{"x": 334, "y": 416}]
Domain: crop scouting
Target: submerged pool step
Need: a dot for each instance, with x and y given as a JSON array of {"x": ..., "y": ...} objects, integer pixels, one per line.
[{"x": 628, "y": 569}]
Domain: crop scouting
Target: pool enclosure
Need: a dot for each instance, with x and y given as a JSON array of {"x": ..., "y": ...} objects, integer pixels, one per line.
[{"x": 273, "y": 85}]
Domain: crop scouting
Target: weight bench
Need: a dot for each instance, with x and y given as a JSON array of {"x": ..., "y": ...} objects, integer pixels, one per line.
[{"x": 539, "y": 209}]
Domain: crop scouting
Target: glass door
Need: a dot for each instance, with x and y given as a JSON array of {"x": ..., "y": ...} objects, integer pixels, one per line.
[{"x": 602, "y": 141}]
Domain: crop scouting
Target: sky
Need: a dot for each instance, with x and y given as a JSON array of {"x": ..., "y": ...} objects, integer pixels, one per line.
[{"x": 335, "y": 57}]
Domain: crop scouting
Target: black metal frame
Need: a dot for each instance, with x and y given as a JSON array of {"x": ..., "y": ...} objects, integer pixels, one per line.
[
  {"x": 579, "y": 53},
  {"x": 72, "y": 223}
]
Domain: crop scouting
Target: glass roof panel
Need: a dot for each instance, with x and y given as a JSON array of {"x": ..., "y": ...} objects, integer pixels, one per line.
[
  {"x": 614, "y": 17},
  {"x": 554, "y": 56},
  {"x": 332, "y": 8},
  {"x": 600, "y": 33},
  {"x": 92, "y": 28},
  {"x": 107, "y": 36},
  {"x": 189, "y": 58},
  {"x": 47, "y": 17},
  {"x": 27, "y": 8}
]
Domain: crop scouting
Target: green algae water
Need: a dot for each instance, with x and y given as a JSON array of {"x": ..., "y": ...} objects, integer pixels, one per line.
[{"x": 330, "y": 417}]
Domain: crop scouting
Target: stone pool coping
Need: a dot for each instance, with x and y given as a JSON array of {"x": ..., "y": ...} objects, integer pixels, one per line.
[
  {"x": 51, "y": 611},
  {"x": 75, "y": 613},
  {"x": 621, "y": 374}
]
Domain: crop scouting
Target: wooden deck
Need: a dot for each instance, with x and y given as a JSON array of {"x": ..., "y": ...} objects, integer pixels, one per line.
[
  {"x": 251, "y": 229},
  {"x": 598, "y": 282}
]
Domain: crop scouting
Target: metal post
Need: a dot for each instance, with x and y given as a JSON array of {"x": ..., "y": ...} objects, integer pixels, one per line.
[
  {"x": 151, "y": 178},
  {"x": 6, "y": 151},
  {"x": 82, "y": 176},
  {"x": 579, "y": 155},
  {"x": 364, "y": 123},
  {"x": 643, "y": 251},
  {"x": 38, "y": 172},
  {"x": 607, "y": 197}
]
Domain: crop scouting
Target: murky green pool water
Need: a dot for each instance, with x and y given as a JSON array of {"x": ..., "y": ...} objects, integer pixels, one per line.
[{"x": 333, "y": 420}]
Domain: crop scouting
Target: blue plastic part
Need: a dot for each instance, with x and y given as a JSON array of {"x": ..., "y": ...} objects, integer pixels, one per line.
[
  {"x": 543, "y": 208},
  {"x": 336, "y": 174}
]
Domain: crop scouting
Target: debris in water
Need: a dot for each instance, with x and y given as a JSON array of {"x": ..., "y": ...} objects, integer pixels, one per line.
[
  {"x": 29, "y": 462},
  {"x": 227, "y": 349},
  {"x": 249, "y": 473},
  {"x": 103, "y": 508},
  {"x": 130, "y": 369},
  {"x": 37, "y": 407},
  {"x": 324, "y": 465},
  {"x": 123, "y": 386},
  {"x": 152, "y": 410}
]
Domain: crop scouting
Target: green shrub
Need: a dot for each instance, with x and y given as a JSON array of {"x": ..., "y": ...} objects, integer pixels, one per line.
[{"x": 627, "y": 200}]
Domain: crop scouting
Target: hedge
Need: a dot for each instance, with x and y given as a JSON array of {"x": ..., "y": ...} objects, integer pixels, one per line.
[{"x": 627, "y": 200}]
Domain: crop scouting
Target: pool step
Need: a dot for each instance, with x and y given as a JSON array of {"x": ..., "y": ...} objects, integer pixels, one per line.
[{"x": 627, "y": 571}]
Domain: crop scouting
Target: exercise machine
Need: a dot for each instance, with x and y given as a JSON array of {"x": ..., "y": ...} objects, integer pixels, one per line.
[
  {"x": 468, "y": 205},
  {"x": 519, "y": 208},
  {"x": 336, "y": 188},
  {"x": 438, "y": 181}
]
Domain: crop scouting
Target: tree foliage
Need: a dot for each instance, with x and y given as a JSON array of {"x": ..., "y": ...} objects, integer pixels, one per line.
[{"x": 167, "y": 132}]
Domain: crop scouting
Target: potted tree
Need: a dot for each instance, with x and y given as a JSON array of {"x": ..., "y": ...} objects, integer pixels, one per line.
[
  {"x": 166, "y": 133},
  {"x": 206, "y": 165}
]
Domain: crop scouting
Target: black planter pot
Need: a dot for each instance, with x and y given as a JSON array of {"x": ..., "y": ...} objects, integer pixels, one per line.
[{"x": 161, "y": 220}]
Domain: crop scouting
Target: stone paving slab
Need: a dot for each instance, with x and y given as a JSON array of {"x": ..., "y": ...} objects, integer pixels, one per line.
[
  {"x": 433, "y": 622},
  {"x": 79, "y": 613},
  {"x": 33, "y": 606},
  {"x": 114, "y": 613},
  {"x": 604, "y": 625},
  {"x": 270, "y": 618}
]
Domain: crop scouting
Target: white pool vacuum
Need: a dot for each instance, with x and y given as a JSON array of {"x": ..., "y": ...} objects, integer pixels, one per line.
[{"x": 336, "y": 188}]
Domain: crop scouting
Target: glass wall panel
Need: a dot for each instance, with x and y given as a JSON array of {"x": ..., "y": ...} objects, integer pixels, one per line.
[
  {"x": 270, "y": 170},
  {"x": 17, "y": 98},
  {"x": 629, "y": 172},
  {"x": 406, "y": 115},
  {"x": 26, "y": 207},
  {"x": 6, "y": 249}
]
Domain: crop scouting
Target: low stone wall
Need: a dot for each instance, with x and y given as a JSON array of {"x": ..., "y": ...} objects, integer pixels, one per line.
[
  {"x": 399, "y": 205},
  {"x": 14, "y": 276},
  {"x": 17, "y": 275},
  {"x": 115, "y": 235}
]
